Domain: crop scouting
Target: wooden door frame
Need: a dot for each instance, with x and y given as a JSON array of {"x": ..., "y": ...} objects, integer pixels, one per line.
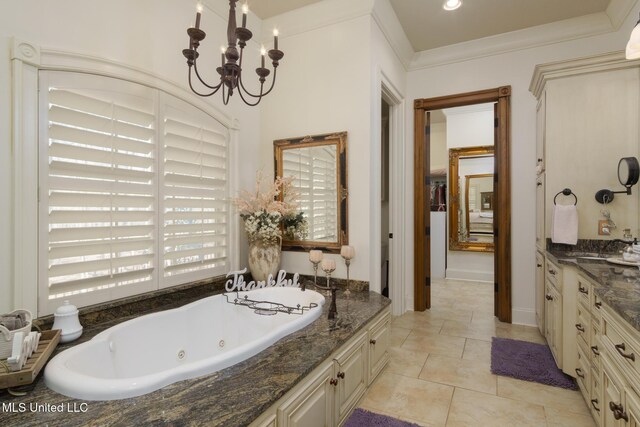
[{"x": 502, "y": 194}]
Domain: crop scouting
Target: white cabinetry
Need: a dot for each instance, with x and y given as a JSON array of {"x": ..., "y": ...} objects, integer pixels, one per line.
[
  {"x": 328, "y": 395},
  {"x": 553, "y": 310},
  {"x": 540, "y": 291}
]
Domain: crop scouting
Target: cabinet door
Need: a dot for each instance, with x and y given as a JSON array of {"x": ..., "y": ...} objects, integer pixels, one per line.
[
  {"x": 312, "y": 405},
  {"x": 633, "y": 408},
  {"x": 540, "y": 292},
  {"x": 553, "y": 321},
  {"x": 613, "y": 395},
  {"x": 541, "y": 112},
  {"x": 351, "y": 374},
  {"x": 379, "y": 345}
]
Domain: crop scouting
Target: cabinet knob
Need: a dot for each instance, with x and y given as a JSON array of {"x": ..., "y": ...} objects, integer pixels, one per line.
[
  {"x": 582, "y": 290},
  {"x": 552, "y": 271},
  {"x": 621, "y": 348},
  {"x": 579, "y": 327},
  {"x": 594, "y": 402},
  {"x": 539, "y": 265},
  {"x": 340, "y": 375},
  {"x": 333, "y": 381},
  {"x": 538, "y": 183},
  {"x": 548, "y": 297},
  {"x": 594, "y": 350},
  {"x": 579, "y": 373},
  {"x": 618, "y": 411},
  {"x": 372, "y": 342},
  {"x": 598, "y": 305}
]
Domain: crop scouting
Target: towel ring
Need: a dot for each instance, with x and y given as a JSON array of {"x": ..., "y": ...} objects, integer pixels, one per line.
[{"x": 566, "y": 192}]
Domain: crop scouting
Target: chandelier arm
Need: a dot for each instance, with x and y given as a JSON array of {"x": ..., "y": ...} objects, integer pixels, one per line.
[
  {"x": 216, "y": 89},
  {"x": 273, "y": 82},
  {"x": 195, "y": 68},
  {"x": 247, "y": 102}
]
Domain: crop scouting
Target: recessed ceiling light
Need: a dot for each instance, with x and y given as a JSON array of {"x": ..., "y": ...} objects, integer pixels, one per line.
[{"x": 452, "y": 4}]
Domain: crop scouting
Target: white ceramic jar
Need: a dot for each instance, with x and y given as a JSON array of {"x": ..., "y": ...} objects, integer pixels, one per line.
[{"x": 66, "y": 319}]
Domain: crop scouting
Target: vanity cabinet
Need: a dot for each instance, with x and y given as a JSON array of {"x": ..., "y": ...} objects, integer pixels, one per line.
[{"x": 328, "y": 395}]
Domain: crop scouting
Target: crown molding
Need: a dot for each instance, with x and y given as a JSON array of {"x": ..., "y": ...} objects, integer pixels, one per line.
[
  {"x": 542, "y": 35},
  {"x": 385, "y": 17},
  {"x": 314, "y": 16},
  {"x": 618, "y": 10},
  {"x": 543, "y": 73}
]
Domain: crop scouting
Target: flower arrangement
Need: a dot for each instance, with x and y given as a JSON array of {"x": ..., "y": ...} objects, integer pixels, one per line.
[
  {"x": 264, "y": 210},
  {"x": 295, "y": 226}
]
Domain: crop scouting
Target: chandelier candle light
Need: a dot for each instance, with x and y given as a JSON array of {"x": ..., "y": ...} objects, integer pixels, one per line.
[
  {"x": 230, "y": 69},
  {"x": 348, "y": 253}
]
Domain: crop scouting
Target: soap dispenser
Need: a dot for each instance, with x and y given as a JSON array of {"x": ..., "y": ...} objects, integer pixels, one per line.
[{"x": 66, "y": 319}]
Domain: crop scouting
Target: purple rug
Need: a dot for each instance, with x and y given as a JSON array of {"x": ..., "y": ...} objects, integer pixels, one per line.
[
  {"x": 362, "y": 418},
  {"x": 527, "y": 361}
]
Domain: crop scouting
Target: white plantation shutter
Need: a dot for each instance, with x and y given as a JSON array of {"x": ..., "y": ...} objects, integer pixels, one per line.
[
  {"x": 133, "y": 190},
  {"x": 315, "y": 172},
  {"x": 195, "y": 194},
  {"x": 98, "y": 203}
]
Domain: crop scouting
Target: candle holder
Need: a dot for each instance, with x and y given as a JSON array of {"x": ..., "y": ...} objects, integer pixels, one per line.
[
  {"x": 315, "y": 257},
  {"x": 347, "y": 263},
  {"x": 347, "y": 252},
  {"x": 331, "y": 290}
]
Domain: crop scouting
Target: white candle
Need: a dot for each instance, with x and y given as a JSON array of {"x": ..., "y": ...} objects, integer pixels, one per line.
[
  {"x": 348, "y": 252},
  {"x": 328, "y": 264},
  {"x": 315, "y": 256}
]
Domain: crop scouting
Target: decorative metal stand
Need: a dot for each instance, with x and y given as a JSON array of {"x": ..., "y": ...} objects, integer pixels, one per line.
[
  {"x": 333, "y": 309},
  {"x": 267, "y": 308}
]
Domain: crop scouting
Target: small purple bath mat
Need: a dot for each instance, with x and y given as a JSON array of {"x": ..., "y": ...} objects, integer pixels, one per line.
[
  {"x": 362, "y": 418},
  {"x": 527, "y": 361}
]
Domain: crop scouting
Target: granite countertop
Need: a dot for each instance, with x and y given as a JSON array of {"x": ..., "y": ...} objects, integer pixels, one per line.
[
  {"x": 231, "y": 397},
  {"x": 617, "y": 285}
]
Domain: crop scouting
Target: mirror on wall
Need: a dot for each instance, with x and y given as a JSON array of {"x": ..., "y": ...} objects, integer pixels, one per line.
[
  {"x": 471, "y": 199},
  {"x": 319, "y": 166}
]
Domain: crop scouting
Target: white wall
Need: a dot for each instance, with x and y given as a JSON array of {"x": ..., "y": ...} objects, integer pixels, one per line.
[
  {"x": 470, "y": 127},
  {"x": 139, "y": 34},
  {"x": 515, "y": 69}
]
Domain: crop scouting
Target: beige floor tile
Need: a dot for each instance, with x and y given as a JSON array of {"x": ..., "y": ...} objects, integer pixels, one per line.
[
  {"x": 480, "y": 331},
  {"x": 471, "y": 408},
  {"x": 469, "y": 374},
  {"x": 541, "y": 394},
  {"x": 434, "y": 344},
  {"x": 562, "y": 418},
  {"x": 421, "y": 322},
  {"x": 397, "y": 395},
  {"x": 398, "y": 335},
  {"x": 406, "y": 362},
  {"x": 522, "y": 333},
  {"x": 477, "y": 350}
]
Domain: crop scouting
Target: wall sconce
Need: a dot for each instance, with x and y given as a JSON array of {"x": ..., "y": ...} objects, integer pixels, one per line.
[{"x": 628, "y": 174}]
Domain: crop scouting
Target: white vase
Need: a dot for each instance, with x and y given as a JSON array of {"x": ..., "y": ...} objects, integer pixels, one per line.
[{"x": 264, "y": 259}]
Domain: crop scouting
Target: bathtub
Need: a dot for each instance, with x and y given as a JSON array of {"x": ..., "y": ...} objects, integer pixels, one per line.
[{"x": 152, "y": 351}]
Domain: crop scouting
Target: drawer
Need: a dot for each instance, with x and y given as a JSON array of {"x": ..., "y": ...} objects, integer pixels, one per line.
[
  {"x": 584, "y": 292},
  {"x": 594, "y": 345},
  {"x": 623, "y": 348},
  {"x": 552, "y": 273},
  {"x": 583, "y": 328},
  {"x": 583, "y": 375},
  {"x": 595, "y": 402}
]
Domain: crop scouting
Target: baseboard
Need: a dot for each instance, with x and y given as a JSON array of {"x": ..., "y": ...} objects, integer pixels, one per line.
[
  {"x": 523, "y": 316},
  {"x": 479, "y": 276}
]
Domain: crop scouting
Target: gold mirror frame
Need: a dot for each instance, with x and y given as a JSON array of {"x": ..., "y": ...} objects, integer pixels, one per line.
[
  {"x": 454, "y": 199},
  {"x": 340, "y": 141}
]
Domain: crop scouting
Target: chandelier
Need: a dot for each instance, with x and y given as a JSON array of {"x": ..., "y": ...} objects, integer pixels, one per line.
[{"x": 230, "y": 70}]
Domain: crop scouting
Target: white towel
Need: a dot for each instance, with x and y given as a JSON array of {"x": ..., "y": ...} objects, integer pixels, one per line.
[{"x": 564, "y": 228}]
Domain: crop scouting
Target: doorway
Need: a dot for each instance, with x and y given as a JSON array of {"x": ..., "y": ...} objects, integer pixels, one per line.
[
  {"x": 500, "y": 199},
  {"x": 384, "y": 197}
]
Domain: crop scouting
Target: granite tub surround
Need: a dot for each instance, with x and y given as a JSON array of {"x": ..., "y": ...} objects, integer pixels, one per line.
[
  {"x": 618, "y": 286},
  {"x": 231, "y": 397}
]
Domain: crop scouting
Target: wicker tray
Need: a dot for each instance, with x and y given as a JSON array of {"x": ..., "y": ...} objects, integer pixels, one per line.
[{"x": 48, "y": 342}]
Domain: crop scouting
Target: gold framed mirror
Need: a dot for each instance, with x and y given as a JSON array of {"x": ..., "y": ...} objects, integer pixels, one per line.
[
  {"x": 471, "y": 186},
  {"x": 318, "y": 165}
]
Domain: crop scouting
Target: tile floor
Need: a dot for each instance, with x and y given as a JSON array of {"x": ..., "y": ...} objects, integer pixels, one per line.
[{"x": 440, "y": 369}]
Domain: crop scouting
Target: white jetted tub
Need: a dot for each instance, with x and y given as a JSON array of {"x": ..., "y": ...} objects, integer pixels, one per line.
[{"x": 152, "y": 351}]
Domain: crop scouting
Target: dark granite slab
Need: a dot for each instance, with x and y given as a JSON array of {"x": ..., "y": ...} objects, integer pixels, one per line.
[
  {"x": 232, "y": 397},
  {"x": 617, "y": 285}
]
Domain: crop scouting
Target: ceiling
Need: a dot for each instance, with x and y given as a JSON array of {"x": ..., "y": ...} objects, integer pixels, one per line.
[{"x": 428, "y": 26}]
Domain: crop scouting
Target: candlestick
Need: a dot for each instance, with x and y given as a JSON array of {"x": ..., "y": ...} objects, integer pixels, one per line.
[
  {"x": 263, "y": 52},
  {"x": 275, "y": 38},
  {"x": 222, "y": 57},
  {"x": 245, "y": 10},
  {"x": 199, "y": 9},
  {"x": 314, "y": 256}
]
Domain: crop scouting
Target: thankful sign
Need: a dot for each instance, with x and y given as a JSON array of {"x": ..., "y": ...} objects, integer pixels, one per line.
[{"x": 236, "y": 283}]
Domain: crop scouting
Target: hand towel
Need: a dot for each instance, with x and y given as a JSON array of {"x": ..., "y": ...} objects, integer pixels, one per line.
[{"x": 564, "y": 228}]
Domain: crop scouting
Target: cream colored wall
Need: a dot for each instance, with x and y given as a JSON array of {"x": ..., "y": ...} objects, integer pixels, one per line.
[
  {"x": 139, "y": 34},
  {"x": 513, "y": 68},
  {"x": 438, "y": 143}
]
